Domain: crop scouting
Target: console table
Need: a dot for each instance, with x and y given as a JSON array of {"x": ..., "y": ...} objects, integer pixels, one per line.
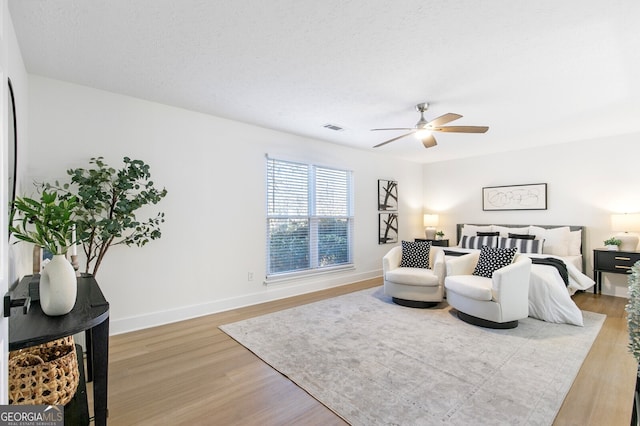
[{"x": 90, "y": 314}]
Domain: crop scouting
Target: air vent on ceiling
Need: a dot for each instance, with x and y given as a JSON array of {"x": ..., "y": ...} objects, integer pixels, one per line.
[{"x": 333, "y": 127}]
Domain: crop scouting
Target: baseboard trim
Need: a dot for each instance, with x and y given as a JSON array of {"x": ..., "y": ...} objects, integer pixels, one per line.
[{"x": 269, "y": 293}]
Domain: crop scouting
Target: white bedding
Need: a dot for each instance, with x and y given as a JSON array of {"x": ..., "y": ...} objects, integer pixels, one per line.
[{"x": 549, "y": 298}]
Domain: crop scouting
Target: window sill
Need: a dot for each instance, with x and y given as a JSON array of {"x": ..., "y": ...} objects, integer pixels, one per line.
[{"x": 282, "y": 278}]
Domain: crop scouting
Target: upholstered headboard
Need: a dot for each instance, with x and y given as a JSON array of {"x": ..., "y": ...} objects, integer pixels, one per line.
[{"x": 571, "y": 228}]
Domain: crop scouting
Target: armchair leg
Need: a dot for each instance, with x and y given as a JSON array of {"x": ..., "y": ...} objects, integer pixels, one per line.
[
  {"x": 486, "y": 323},
  {"x": 413, "y": 303}
]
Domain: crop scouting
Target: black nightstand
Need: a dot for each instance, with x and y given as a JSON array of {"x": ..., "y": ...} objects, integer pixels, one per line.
[
  {"x": 612, "y": 261},
  {"x": 440, "y": 243}
]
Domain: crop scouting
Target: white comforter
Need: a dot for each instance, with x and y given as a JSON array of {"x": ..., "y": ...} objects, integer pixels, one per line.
[{"x": 549, "y": 298}]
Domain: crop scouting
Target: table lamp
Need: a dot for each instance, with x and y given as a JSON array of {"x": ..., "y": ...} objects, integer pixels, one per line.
[
  {"x": 625, "y": 223},
  {"x": 430, "y": 222}
]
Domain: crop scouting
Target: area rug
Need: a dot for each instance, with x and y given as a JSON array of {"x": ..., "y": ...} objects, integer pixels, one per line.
[{"x": 373, "y": 362}]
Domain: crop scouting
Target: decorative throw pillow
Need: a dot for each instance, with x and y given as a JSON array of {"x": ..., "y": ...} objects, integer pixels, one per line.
[
  {"x": 415, "y": 254},
  {"x": 478, "y": 242},
  {"x": 523, "y": 245},
  {"x": 492, "y": 259},
  {"x": 522, "y": 236},
  {"x": 488, "y": 234}
]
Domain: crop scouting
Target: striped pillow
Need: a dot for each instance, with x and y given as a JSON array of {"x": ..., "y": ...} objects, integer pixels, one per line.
[
  {"x": 477, "y": 242},
  {"x": 523, "y": 246}
]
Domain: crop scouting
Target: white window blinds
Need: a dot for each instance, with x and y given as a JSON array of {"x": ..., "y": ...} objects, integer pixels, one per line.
[{"x": 309, "y": 217}]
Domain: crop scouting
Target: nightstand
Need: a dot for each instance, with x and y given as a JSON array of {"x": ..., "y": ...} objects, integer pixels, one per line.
[
  {"x": 440, "y": 243},
  {"x": 612, "y": 261}
]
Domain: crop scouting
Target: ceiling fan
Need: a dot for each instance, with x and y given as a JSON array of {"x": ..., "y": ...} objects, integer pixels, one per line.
[{"x": 423, "y": 129}]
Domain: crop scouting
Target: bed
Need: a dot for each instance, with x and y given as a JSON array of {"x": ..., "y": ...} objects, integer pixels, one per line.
[{"x": 549, "y": 293}]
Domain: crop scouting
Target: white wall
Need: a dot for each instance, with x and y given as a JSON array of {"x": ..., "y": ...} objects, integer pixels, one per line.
[
  {"x": 587, "y": 181},
  {"x": 214, "y": 171}
]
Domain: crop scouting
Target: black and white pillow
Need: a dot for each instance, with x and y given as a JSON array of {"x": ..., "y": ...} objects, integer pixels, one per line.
[
  {"x": 415, "y": 254},
  {"x": 478, "y": 242},
  {"x": 523, "y": 246},
  {"x": 493, "y": 258}
]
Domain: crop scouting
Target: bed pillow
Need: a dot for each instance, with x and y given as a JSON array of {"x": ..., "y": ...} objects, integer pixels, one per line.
[
  {"x": 488, "y": 234},
  {"x": 575, "y": 242},
  {"x": 478, "y": 242},
  {"x": 472, "y": 230},
  {"x": 492, "y": 258},
  {"x": 556, "y": 240},
  {"x": 415, "y": 254},
  {"x": 522, "y": 236},
  {"x": 504, "y": 230},
  {"x": 522, "y": 245}
]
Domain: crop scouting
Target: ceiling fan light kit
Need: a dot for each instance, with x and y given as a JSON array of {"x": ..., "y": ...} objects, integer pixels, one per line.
[{"x": 424, "y": 129}]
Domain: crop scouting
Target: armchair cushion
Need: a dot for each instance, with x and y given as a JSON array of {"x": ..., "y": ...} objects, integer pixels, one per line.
[
  {"x": 472, "y": 286},
  {"x": 492, "y": 259},
  {"x": 413, "y": 276},
  {"x": 415, "y": 254}
]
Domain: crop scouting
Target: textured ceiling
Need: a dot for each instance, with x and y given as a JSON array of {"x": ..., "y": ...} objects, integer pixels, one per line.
[{"x": 535, "y": 72}]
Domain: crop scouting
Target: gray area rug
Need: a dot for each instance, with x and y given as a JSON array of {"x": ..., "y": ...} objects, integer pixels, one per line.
[{"x": 373, "y": 362}]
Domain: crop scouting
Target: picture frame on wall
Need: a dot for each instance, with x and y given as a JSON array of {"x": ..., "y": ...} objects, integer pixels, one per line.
[
  {"x": 387, "y": 228},
  {"x": 515, "y": 197},
  {"x": 387, "y": 195}
]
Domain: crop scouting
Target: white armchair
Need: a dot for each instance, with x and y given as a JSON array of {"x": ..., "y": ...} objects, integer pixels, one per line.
[
  {"x": 496, "y": 302},
  {"x": 414, "y": 287}
]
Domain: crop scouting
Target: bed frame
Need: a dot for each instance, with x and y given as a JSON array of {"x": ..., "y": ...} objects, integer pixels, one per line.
[{"x": 571, "y": 228}]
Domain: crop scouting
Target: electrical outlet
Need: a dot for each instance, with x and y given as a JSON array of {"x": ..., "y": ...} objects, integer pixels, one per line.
[{"x": 250, "y": 276}]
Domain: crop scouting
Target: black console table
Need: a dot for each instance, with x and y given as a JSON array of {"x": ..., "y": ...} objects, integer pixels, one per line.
[{"x": 90, "y": 314}]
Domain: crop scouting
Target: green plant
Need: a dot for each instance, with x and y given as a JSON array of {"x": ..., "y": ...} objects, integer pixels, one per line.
[
  {"x": 47, "y": 222},
  {"x": 108, "y": 200},
  {"x": 440, "y": 234},
  {"x": 612, "y": 242},
  {"x": 633, "y": 311}
]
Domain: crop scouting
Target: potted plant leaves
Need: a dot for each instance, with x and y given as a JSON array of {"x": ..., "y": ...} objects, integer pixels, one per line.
[
  {"x": 612, "y": 243},
  {"x": 108, "y": 200},
  {"x": 48, "y": 222}
]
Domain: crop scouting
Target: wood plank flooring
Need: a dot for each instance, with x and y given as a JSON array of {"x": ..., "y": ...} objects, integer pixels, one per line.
[{"x": 191, "y": 373}]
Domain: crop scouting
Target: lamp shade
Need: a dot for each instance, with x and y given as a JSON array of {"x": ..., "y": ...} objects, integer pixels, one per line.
[
  {"x": 430, "y": 220},
  {"x": 626, "y": 222}
]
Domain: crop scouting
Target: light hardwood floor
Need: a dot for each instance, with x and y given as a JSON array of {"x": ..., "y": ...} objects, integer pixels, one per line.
[{"x": 190, "y": 373}]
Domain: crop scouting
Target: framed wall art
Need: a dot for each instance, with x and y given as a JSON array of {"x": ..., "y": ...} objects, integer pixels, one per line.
[
  {"x": 387, "y": 195},
  {"x": 515, "y": 197},
  {"x": 387, "y": 228}
]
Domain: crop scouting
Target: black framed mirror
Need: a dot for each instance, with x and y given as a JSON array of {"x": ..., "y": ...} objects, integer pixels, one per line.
[{"x": 12, "y": 151}]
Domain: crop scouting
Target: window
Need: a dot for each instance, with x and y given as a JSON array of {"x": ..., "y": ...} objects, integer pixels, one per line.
[{"x": 309, "y": 217}]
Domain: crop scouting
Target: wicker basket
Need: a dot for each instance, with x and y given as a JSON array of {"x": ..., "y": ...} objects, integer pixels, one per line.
[{"x": 44, "y": 374}]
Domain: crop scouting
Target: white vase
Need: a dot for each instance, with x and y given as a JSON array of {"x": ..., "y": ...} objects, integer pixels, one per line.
[{"x": 58, "y": 286}]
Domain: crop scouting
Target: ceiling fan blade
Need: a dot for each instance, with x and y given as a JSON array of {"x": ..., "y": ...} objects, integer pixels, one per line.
[
  {"x": 395, "y": 128},
  {"x": 443, "y": 119},
  {"x": 429, "y": 141},
  {"x": 462, "y": 129},
  {"x": 395, "y": 139}
]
